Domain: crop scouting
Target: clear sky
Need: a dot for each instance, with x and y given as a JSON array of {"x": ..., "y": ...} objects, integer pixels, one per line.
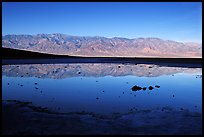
[{"x": 179, "y": 21}]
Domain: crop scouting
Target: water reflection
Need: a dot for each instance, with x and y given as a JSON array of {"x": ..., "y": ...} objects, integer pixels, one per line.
[
  {"x": 103, "y": 88},
  {"x": 59, "y": 71}
]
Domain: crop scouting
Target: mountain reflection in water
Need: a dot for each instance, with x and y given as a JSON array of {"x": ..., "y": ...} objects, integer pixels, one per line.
[{"x": 60, "y": 71}]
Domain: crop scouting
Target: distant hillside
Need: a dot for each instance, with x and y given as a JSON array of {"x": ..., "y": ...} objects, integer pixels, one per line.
[{"x": 62, "y": 44}]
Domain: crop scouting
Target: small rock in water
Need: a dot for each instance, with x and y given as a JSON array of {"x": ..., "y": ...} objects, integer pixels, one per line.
[
  {"x": 150, "y": 67},
  {"x": 8, "y": 83},
  {"x": 21, "y": 76},
  {"x": 97, "y": 98},
  {"x": 123, "y": 92},
  {"x": 173, "y": 95},
  {"x": 157, "y": 86},
  {"x": 150, "y": 87},
  {"x": 36, "y": 88},
  {"x": 36, "y": 83},
  {"x": 21, "y": 85},
  {"x": 103, "y": 90},
  {"x": 144, "y": 88},
  {"x": 136, "y": 88},
  {"x": 79, "y": 72},
  {"x": 118, "y": 66}
]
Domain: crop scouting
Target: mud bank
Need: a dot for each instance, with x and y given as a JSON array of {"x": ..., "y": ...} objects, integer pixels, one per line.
[{"x": 23, "y": 118}]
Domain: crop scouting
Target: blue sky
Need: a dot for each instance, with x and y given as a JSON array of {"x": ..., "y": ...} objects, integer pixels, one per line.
[{"x": 179, "y": 21}]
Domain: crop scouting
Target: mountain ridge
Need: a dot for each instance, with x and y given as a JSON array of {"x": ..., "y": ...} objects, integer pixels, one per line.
[{"x": 62, "y": 44}]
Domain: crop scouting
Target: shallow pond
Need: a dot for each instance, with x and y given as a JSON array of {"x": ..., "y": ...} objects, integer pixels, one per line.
[{"x": 103, "y": 88}]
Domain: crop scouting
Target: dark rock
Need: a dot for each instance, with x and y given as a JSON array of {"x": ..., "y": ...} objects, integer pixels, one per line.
[
  {"x": 36, "y": 88},
  {"x": 21, "y": 76},
  {"x": 36, "y": 83},
  {"x": 118, "y": 66},
  {"x": 8, "y": 83},
  {"x": 97, "y": 98},
  {"x": 157, "y": 86},
  {"x": 21, "y": 85},
  {"x": 136, "y": 88},
  {"x": 150, "y": 67},
  {"x": 103, "y": 90},
  {"x": 144, "y": 88},
  {"x": 173, "y": 95},
  {"x": 150, "y": 88},
  {"x": 79, "y": 72}
]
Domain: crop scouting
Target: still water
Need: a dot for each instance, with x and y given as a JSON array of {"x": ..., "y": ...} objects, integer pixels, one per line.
[{"x": 103, "y": 88}]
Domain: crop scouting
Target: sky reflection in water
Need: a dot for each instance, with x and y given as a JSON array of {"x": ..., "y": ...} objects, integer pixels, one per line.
[{"x": 103, "y": 88}]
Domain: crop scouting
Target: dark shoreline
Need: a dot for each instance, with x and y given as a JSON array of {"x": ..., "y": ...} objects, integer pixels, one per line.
[
  {"x": 187, "y": 63},
  {"x": 14, "y": 56},
  {"x": 20, "y": 119}
]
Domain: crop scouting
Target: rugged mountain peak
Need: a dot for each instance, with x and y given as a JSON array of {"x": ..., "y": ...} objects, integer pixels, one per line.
[{"x": 58, "y": 43}]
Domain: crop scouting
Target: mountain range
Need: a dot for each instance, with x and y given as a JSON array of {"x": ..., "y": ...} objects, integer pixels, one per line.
[{"x": 62, "y": 44}]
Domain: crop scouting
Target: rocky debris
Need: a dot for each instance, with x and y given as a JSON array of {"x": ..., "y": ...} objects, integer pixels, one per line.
[
  {"x": 136, "y": 88},
  {"x": 150, "y": 88},
  {"x": 157, "y": 86}
]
